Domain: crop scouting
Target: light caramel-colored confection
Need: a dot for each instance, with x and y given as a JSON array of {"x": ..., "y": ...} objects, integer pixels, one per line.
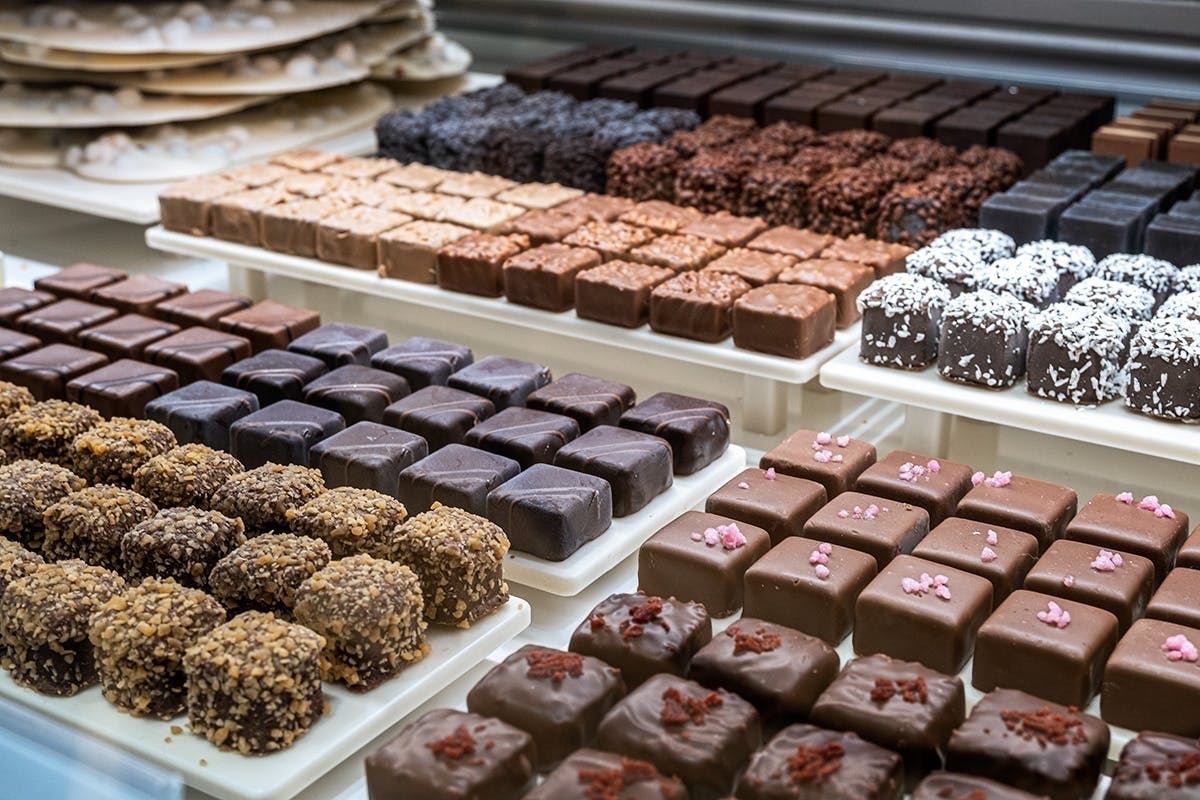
[
  {"x": 44, "y": 431},
  {"x": 474, "y": 184},
  {"x": 350, "y": 521},
  {"x": 264, "y": 573},
  {"x": 539, "y": 195},
  {"x": 256, "y": 175},
  {"x": 27, "y": 489},
  {"x": 140, "y": 637},
  {"x": 418, "y": 177},
  {"x": 311, "y": 184},
  {"x": 306, "y": 160},
  {"x": 89, "y": 524},
  {"x": 46, "y": 616},
  {"x": 360, "y": 167},
  {"x": 459, "y": 558},
  {"x": 262, "y": 497},
  {"x": 179, "y": 543},
  {"x": 186, "y": 207},
  {"x": 14, "y": 398},
  {"x": 370, "y": 612},
  {"x": 661, "y": 216},
  {"x": 483, "y": 214},
  {"x": 113, "y": 450},
  {"x": 425, "y": 205},
  {"x": 186, "y": 475},
  {"x": 254, "y": 683}
]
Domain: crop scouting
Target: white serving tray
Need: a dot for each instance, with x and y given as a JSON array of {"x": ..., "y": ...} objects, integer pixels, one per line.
[
  {"x": 1109, "y": 425},
  {"x": 596, "y": 558},
  {"x": 353, "y": 720}
]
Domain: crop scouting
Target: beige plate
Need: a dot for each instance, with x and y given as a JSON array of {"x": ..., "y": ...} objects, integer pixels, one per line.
[
  {"x": 51, "y": 58},
  {"x": 436, "y": 58},
  {"x": 403, "y": 10},
  {"x": 25, "y": 107}
]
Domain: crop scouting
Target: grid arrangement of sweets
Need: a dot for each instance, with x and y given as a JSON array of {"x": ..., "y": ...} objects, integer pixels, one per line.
[
  {"x": 1087, "y": 199},
  {"x": 183, "y": 583},
  {"x": 1035, "y": 123},
  {"x": 1075, "y": 329},
  {"x": 780, "y": 290},
  {"x": 1162, "y": 129},
  {"x": 547, "y": 136}
]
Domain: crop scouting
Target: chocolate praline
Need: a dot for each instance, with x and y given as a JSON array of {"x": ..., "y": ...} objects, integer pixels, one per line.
[
  {"x": 934, "y": 484},
  {"x": 803, "y": 762},
  {"x": 367, "y": 455},
  {"x": 1002, "y": 555},
  {"x": 201, "y": 412},
  {"x": 356, "y": 392},
  {"x": 636, "y": 465},
  {"x": 423, "y": 362},
  {"x": 523, "y": 434},
  {"x": 779, "y": 504},
  {"x": 589, "y": 401},
  {"x": 439, "y": 414},
  {"x": 550, "y": 512},
  {"x": 456, "y": 476},
  {"x": 1037, "y": 507},
  {"x": 697, "y": 430},
  {"x": 878, "y": 527},
  {"x": 955, "y": 786},
  {"x": 273, "y": 375},
  {"x": 505, "y": 381},
  {"x": 587, "y": 772},
  {"x": 831, "y": 460},
  {"x": 1151, "y": 680},
  {"x": 1156, "y": 766}
]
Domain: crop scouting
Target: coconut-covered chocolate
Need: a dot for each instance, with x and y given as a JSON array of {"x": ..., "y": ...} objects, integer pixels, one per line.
[
  {"x": 1077, "y": 354},
  {"x": 902, "y": 317},
  {"x": 1164, "y": 369},
  {"x": 984, "y": 338}
]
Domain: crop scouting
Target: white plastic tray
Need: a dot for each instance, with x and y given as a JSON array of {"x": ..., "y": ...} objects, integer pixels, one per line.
[
  {"x": 1110, "y": 424},
  {"x": 353, "y": 720},
  {"x": 596, "y": 558}
]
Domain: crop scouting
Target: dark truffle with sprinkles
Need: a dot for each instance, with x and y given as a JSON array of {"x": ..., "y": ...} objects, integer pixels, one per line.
[
  {"x": 984, "y": 338},
  {"x": 1113, "y": 297},
  {"x": 44, "y": 431},
  {"x": 262, "y": 497},
  {"x": 179, "y": 543},
  {"x": 1077, "y": 354},
  {"x": 1164, "y": 370},
  {"x": 27, "y": 489},
  {"x": 186, "y": 475},
  {"x": 254, "y": 683},
  {"x": 140, "y": 637},
  {"x": 989, "y": 245},
  {"x": 370, "y": 612},
  {"x": 113, "y": 450},
  {"x": 264, "y": 573},
  {"x": 1151, "y": 273},
  {"x": 14, "y": 398},
  {"x": 89, "y": 524},
  {"x": 350, "y": 521}
]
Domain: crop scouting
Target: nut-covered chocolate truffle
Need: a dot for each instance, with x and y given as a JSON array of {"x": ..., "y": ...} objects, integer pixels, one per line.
[
  {"x": 89, "y": 524},
  {"x": 264, "y": 573},
  {"x": 112, "y": 451},
  {"x": 350, "y": 521},
  {"x": 262, "y": 497},
  {"x": 44, "y": 431},
  {"x": 180, "y": 543},
  {"x": 185, "y": 476},
  {"x": 27, "y": 489}
]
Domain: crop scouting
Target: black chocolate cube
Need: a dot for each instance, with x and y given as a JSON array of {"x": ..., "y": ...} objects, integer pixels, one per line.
[
  {"x": 439, "y": 414},
  {"x": 356, "y": 392},
  {"x": 274, "y": 375},
  {"x": 523, "y": 434},
  {"x": 281, "y": 433},
  {"x": 697, "y": 430},
  {"x": 550, "y": 512},
  {"x": 201, "y": 412},
  {"x": 456, "y": 476},
  {"x": 505, "y": 381},
  {"x": 636, "y": 465},
  {"x": 367, "y": 455},
  {"x": 589, "y": 401},
  {"x": 423, "y": 362},
  {"x": 338, "y": 344}
]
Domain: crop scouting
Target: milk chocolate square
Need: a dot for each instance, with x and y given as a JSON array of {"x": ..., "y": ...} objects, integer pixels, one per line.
[
  {"x": 886, "y": 258},
  {"x": 1178, "y": 598},
  {"x": 725, "y": 228},
  {"x": 475, "y": 264},
  {"x": 270, "y": 324},
  {"x": 186, "y": 207},
  {"x": 1152, "y": 682},
  {"x": 544, "y": 277},
  {"x": 122, "y": 388},
  {"x": 305, "y": 160},
  {"x": 198, "y": 354},
  {"x": 779, "y": 504},
  {"x": 934, "y": 484},
  {"x": 677, "y": 252},
  {"x": 258, "y": 175},
  {"x": 696, "y": 305},
  {"x": 367, "y": 455},
  {"x": 126, "y": 336},
  {"x": 46, "y": 371},
  {"x": 359, "y": 167},
  {"x": 786, "y": 320},
  {"x": 878, "y": 527},
  {"x": 612, "y": 240},
  {"x": 292, "y": 227},
  {"x": 538, "y": 195},
  {"x": 661, "y": 216},
  {"x": 482, "y": 214},
  {"x": 409, "y": 253},
  {"x": 14, "y": 343},
  {"x": 137, "y": 294},
  {"x": 79, "y": 280},
  {"x": 1155, "y": 766},
  {"x": 618, "y": 292},
  {"x": 1002, "y": 555},
  {"x": 543, "y": 227},
  {"x": 1122, "y": 522},
  {"x": 418, "y": 177},
  {"x": 474, "y": 184},
  {"x": 800, "y": 244},
  {"x": 1015, "y": 501},
  {"x": 834, "y": 461},
  {"x": 349, "y": 236},
  {"x": 845, "y": 280},
  {"x": 865, "y": 770},
  {"x": 756, "y": 267},
  {"x": 1120, "y": 583},
  {"x": 201, "y": 307},
  {"x": 597, "y": 207},
  {"x": 235, "y": 217}
]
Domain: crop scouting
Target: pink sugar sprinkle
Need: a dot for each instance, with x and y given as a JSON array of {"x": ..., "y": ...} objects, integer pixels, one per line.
[
  {"x": 770, "y": 474},
  {"x": 697, "y": 537},
  {"x": 942, "y": 592},
  {"x": 988, "y": 555},
  {"x": 825, "y": 547},
  {"x": 822, "y": 571},
  {"x": 1055, "y": 615},
  {"x": 838, "y": 458},
  {"x": 844, "y": 514},
  {"x": 998, "y": 480},
  {"x": 712, "y": 538},
  {"x": 1165, "y": 511},
  {"x": 1116, "y": 559},
  {"x": 843, "y": 441},
  {"x": 816, "y": 446},
  {"x": 1148, "y": 503},
  {"x": 743, "y": 485},
  {"x": 1069, "y": 581},
  {"x": 1106, "y": 561},
  {"x": 822, "y": 456},
  {"x": 977, "y": 478},
  {"x": 910, "y": 472},
  {"x": 817, "y": 557},
  {"x": 911, "y": 586},
  {"x": 992, "y": 538},
  {"x": 934, "y": 467},
  {"x": 1180, "y": 648},
  {"x": 940, "y": 580},
  {"x": 731, "y": 537},
  {"x": 824, "y": 438},
  {"x": 939, "y": 585},
  {"x": 1126, "y": 498}
]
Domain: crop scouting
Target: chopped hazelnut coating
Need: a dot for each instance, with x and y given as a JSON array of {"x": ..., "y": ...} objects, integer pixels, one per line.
[
  {"x": 351, "y": 521},
  {"x": 263, "y": 496},
  {"x": 460, "y": 559},
  {"x": 112, "y": 451},
  {"x": 27, "y": 489},
  {"x": 15, "y": 562},
  {"x": 370, "y": 612},
  {"x": 89, "y": 524},
  {"x": 254, "y": 683},
  {"x": 45, "y": 628},
  {"x": 140, "y": 637},
  {"x": 264, "y": 573},
  {"x": 45, "y": 431},
  {"x": 14, "y": 398},
  {"x": 179, "y": 543},
  {"x": 186, "y": 475}
]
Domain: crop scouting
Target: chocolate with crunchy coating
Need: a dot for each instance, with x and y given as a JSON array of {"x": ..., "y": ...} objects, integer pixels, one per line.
[
  {"x": 902, "y": 321},
  {"x": 89, "y": 524},
  {"x": 262, "y": 497},
  {"x": 475, "y": 263},
  {"x": 113, "y": 450},
  {"x": 350, "y": 521},
  {"x": 544, "y": 277},
  {"x": 185, "y": 476},
  {"x": 618, "y": 292},
  {"x": 263, "y": 573},
  {"x": 44, "y": 431},
  {"x": 27, "y": 489},
  {"x": 179, "y": 543}
]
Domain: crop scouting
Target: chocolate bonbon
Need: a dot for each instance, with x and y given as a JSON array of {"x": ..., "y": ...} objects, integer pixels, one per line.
[
  {"x": 586, "y": 772},
  {"x": 779, "y": 504},
  {"x": 423, "y": 362},
  {"x": 126, "y": 336},
  {"x": 198, "y": 354},
  {"x": 637, "y": 466},
  {"x": 357, "y": 392},
  {"x": 202, "y": 412},
  {"x": 878, "y": 527},
  {"x": 1151, "y": 681},
  {"x": 550, "y": 512},
  {"x": 1002, "y": 555},
  {"x": 282, "y": 432},
  {"x": 367, "y": 455},
  {"x": 810, "y": 763},
  {"x": 1155, "y": 766},
  {"x": 1178, "y": 598},
  {"x": 794, "y": 321},
  {"x": 441, "y": 415},
  {"x": 46, "y": 371},
  {"x": 1037, "y": 507},
  {"x": 1147, "y": 527},
  {"x": 457, "y": 476},
  {"x": 937, "y": 485},
  {"x": 525, "y": 435},
  {"x": 504, "y": 381},
  {"x": 835, "y": 461},
  {"x": 697, "y": 430},
  {"x": 1120, "y": 583},
  {"x": 339, "y": 344},
  {"x": 588, "y": 400},
  {"x": 122, "y": 388},
  {"x": 273, "y": 375},
  {"x": 902, "y": 302}
]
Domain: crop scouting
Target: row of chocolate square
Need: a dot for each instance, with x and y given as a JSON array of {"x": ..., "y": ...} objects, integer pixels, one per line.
[
  {"x": 1034, "y": 122},
  {"x": 1086, "y": 199},
  {"x": 1162, "y": 129},
  {"x": 905, "y": 191}
]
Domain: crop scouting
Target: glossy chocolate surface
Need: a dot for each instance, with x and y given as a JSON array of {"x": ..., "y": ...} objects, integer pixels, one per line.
[
  {"x": 587, "y": 772},
  {"x": 877, "y": 526},
  {"x": 956, "y": 786},
  {"x": 550, "y": 512},
  {"x": 792, "y": 321},
  {"x": 505, "y": 381},
  {"x": 201, "y": 307},
  {"x": 273, "y": 375},
  {"x": 367, "y": 455},
  {"x": 15, "y": 301},
  {"x": 779, "y": 504},
  {"x": 1119, "y": 583},
  {"x": 589, "y": 401},
  {"x": 527, "y": 436},
  {"x": 15, "y": 343},
  {"x": 618, "y": 292},
  {"x": 122, "y": 388},
  {"x": 1002, "y": 555},
  {"x": 1157, "y": 766},
  {"x": 47, "y": 370},
  {"x": 1108, "y": 522},
  {"x": 269, "y": 324},
  {"x": 1152, "y": 679},
  {"x": 198, "y": 354},
  {"x": 339, "y": 344},
  {"x": 282, "y": 433},
  {"x": 61, "y": 322},
  {"x": 697, "y": 430},
  {"x": 79, "y": 280},
  {"x": 1178, "y": 598},
  {"x": 803, "y": 455},
  {"x": 1029, "y": 505},
  {"x": 137, "y": 294},
  {"x": 457, "y": 476},
  {"x": 911, "y": 477},
  {"x": 636, "y": 465},
  {"x": 126, "y": 336},
  {"x": 809, "y": 763},
  {"x": 201, "y": 412},
  {"x": 356, "y": 392},
  {"x": 423, "y": 362}
]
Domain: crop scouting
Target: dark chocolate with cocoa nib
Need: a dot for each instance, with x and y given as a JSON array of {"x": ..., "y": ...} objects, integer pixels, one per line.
[
  {"x": 338, "y": 344},
  {"x": 550, "y": 512},
  {"x": 440, "y": 415},
  {"x": 368, "y": 455},
  {"x": 636, "y": 465},
  {"x": 46, "y": 371},
  {"x": 803, "y": 762},
  {"x": 282, "y": 433},
  {"x": 122, "y": 388},
  {"x": 1157, "y": 766},
  {"x": 556, "y": 697},
  {"x": 587, "y": 774},
  {"x": 423, "y": 362},
  {"x": 954, "y": 786},
  {"x": 456, "y": 476},
  {"x": 356, "y": 392},
  {"x": 588, "y": 400},
  {"x": 273, "y": 375},
  {"x": 697, "y": 430}
]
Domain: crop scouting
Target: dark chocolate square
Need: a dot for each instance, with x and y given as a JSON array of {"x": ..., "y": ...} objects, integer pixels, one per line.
[
  {"x": 1121, "y": 522},
  {"x": 439, "y": 414},
  {"x": 1002, "y": 555},
  {"x": 878, "y": 527},
  {"x": 589, "y": 401},
  {"x": 523, "y": 434},
  {"x": 1155, "y": 766},
  {"x": 942, "y": 785},
  {"x": 137, "y": 294},
  {"x": 456, "y": 476},
  {"x": 46, "y": 371},
  {"x": 779, "y": 504},
  {"x": 588, "y": 770},
  {"x": 550, "y": 512},
  {"x": 697, "y": 430},
  {"x": 61, "y": 322},
  {"x": 198, "y": 354},
  {"x": 1015, "y": 501},
  {"x": 79, "y": 280},
  {"x": 906, "y": 304},
  {"x": 1178, "y": 598},
  {"x": 984, "y": 339},
  {"x": 618, "y": 292},
  {"x": 367, "y": 455},
  {"x": 201, "y": 307},
  {"x": 507, "y": 382},
  {"x": 1084, "y": 346},
  {"x": 544, "y": 277},
  {"x": 834, "y": 461},
  {"x": 15, "y": 301},
  {"x": 273, "y": 375},
  {"x": 122, "y": 388},
  {"x": 281, "y": 433},
  {"x": 338, "y": 344},
  {"x": 126, "y": 336},
  {"x": 933, "y": 484},
  {"x": 201, "y": 412},
  {"x": 423, "y": 362},
  {"x": 797, "y": 764},
  {"x": 636, "y": 466},
  {"x": 1120, "y": 583},
  {"x": 270, "y": 325},
  {"x": 14, "y": 343},
  {"x": 356, "y": 392}
]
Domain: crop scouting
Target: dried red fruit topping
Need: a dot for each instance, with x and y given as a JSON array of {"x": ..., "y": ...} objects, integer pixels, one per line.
[
  {"x": 1176, "y": 771},
  {"x": 911, "y": 690},
  {"x": 679, "y": 709},
  {"x": 554, "y": 665},
  {"x": 597, "y": 621},
  {"x": 977, "y": 794},
  {"x": 631, "y": 631},
  {"x": 1045, "y": 726},
  {"x": 457, "y": 745},
  {"x": 815, "y": 764},
  {"x": 647, "y": 611},
  {"x": 758, "y": 642},
  {"x": 606, "y": 784}
]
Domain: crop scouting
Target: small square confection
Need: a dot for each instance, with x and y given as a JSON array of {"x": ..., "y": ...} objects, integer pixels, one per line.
[
  {"x": 1164, "y": 369},
  {"x": 845, "y": 280},
  {"x": 14, "y": 344},
  {"x": 1040, "y": 643},
  {"x": 201, "y": 412},
  {"x": 886, "y": 258},
  {"x": 589, "y": 401},
  {"x": 833, "y": 461},
  {"x": 410, "y": 252},
  {"x": 901, "y": 705},
  {"x": 696, "y": 305},
  {"x": 643, "y": 636},
  {"x": 612, "y": 240},
  {"x": 1151, "y": 529},
  {"x": 726, "y": 229},
  {"x": 558, "y": 698},
  {"x": 525, "y": 435},
  {"x": 798, "y": 243},
  {"x": 186, "y": 206},
  {"x": 808, "y": 585},
  {"x": 780, "y": 670},
  {"x": 678, "y": 252},
  {"x": 359, "y": 167},
  {"x": 255, "y": 175},
  {"x": 1178, "y": 598},
  {"x": 550, "y": 512},
  {"x": 475, "y": 264},
  {"x": 270, "y": 325},
  {"x": 543, "y": 227},
  {"x": 201, "y": 307},
  {"x": 587, "y": 772},
  {"x": 424, "y": 205},
  {"x": 439, "y": 414},
  {"x": 423, "y": 362},
  {"x": 505, "y": 381},
  {"x": 482, "y": 214},
  {"x": 598, "y": 207},
  {"x": 881, "y": 528},
  {"x": 1140, "y": 269},
  {"x": 264, "y": 573},
  {"x": 544, "y": 277},
  {"x": 338, "y": 344},
  {"x": 78, "y": 281},
  {"x": 1002, "y": 555},
  {"x": 235, "y": 217},
  {"x": 122, "y": 388},
  {"x": 902, "y": 317},
  {"x": 456, "y": 476},
  {"x": 538, "y": 195},
  {"x": 910, "y": 612},
  {"x": 697, "y": 430},
  {"x": 274, "y": 375},
  {"x": 350, "y": 236},
  {"x": 809, "y": 763},
  {"x": 198, "y": 354},
  {"x": 984, "y": 339},
  {"x": 756, "y": 267},
  {"x": 292, "y": 227},
  {"x": 418, "y": 177},
  {"x": 474, "y": 184},
  {"x": 1004, "y": 738},
  {"x": 787, "y": 320},
  {"x": 15, "y": 301},
  {"x": 46, "y": 371},
  {"x": 779, "y": 504},
  {"x": 1117, "y": 582},
  {"x": 186, "y": 475},
  {"x": 661, "y": 216},
  {"x": 356, "y": 392},
  {"x": 1156, "y": 766},
  {"x": 367, "y": 455},
  {"x": 179, "y": 543},
  {"x": 935, "y": 485},
  {"x": 61, "y": 322},
  {"x": 1113, "y": 297},
  {"x": 1077, "y": 354},
  {"x": 702, "y": 557},
  {"x": 942, "y": 785},
  {"x": 1025, "y": 278},
  {"x": 702, "y": 736},
  {"x": 305, "y": 160},
  {"x": 1189, "y": 553},
  {"x": 1014, "y": 501},
  {"x": 449, "y": 752},
  {"x": 618, "y": 292},
  {"x": 282, "y": 433},
  {"x": 636, "y": 466}
]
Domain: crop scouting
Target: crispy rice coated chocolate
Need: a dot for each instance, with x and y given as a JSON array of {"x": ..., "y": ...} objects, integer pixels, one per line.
[
  {"x": 89, "y": 524},
  {"x": 618, "y": 292},
  {"x": 179, "y": 543},
  {"x": 44, "y": 431},
  {"x": 264, "y": 573},
  {"x": 350, "y": 521},
  {"x": 263, "y": 496},
  {"x": 113, "y": 450},
  {"x": 187, "y": 475},
  {"x": 27, "y": 489}
]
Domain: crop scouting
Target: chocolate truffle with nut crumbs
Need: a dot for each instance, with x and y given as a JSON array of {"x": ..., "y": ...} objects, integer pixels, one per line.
[
  {"x": 185, "y": 476},
  {"x": 264, "y": 573},
  {"x": 44, "y": 431},
  {"x": 15, "y": 562},
  {"x": 89, "y": 524},
  {"x": 179, "y": 543},
  {"x": 350, "y": 521},
  {"x": 14, "y": 398},
  {"x": 27, "y": 489},
  {"x": 115, "y": 449},
  {"x": 262, "y": 497}
]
